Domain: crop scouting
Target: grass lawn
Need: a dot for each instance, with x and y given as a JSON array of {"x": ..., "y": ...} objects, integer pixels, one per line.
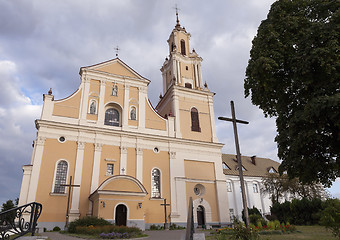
[{"x": 304, "y": 232}]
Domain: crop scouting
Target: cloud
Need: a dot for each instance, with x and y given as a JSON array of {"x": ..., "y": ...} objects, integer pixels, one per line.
[
  {"x": 17, "y": 115},
  {"x": 43, "y": 44}
]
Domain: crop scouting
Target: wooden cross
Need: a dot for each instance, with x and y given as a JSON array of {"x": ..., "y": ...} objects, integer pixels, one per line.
[
  {"x": 239, "y": 161},
  {"x": 165, "y": 215},
  {"x": 117, "y": 50},
  {"x": 70, "y": 186}
]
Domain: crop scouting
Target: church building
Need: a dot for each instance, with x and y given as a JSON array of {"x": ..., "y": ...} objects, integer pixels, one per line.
[{"x": 124, "y": 156}]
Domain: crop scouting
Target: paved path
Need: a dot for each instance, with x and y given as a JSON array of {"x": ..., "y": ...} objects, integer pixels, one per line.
[{"x": 153, "y": 235}]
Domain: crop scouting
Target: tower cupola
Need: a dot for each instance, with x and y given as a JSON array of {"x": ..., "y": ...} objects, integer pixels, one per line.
[{"x": 182, "y": 67}]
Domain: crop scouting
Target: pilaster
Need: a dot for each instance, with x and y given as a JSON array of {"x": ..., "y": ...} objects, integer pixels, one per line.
[
  {"x": 85, "y": 99},
  {"x": 177, "y": 116},
  {"x": 139, "y": 164},
  {"x": 40, "y": 142},
  {"x": 27, "y": 173},
  {"x": 123, "y": 160},
  {"x": 125, "y": 114},
  {"x": 142, "y": 97},
  {"x": 96, "y": 166},
  {"x": 74, "y": 212},
  {"x": 46, "y": 113},
  {"x": 101, "y": 109}
]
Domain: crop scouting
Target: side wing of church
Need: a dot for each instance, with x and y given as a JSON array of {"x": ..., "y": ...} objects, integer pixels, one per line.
[{"x": 125, "y": 155}]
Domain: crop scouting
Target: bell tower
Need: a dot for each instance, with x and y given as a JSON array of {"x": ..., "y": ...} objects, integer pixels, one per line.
[
  {"x": 182, "y": 68},
  {"x": 184, "y": 95}
]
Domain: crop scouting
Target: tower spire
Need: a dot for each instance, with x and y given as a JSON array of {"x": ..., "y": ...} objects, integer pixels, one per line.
[{"x": 177, "y": 20}]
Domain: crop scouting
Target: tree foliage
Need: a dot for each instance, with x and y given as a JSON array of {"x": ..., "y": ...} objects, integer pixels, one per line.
[
  {"x": 277, "y": 186},
  {"x": 330, "y": 217},
  {"x": 294, "y": 75}
]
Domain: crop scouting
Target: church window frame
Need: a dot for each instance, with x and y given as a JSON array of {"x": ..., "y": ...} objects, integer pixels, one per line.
[
  {"x": 195, "y": 123},
  {"x": 110, "y": 169},
  {"x": 156, "y": 184},
  {"x": 62, "y": 139},
  {"x": 183, "y": 50},
  {"x": 133, "y": 110},
  {"x": 60, "y": 177},
  {"x": 112, "y": 110},
  {"x": 93, "y": 106}
]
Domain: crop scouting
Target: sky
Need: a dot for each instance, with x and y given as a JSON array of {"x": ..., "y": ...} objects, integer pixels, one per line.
[{"x": 43, "y": 44}]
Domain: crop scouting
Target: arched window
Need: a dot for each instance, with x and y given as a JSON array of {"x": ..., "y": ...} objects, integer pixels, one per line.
[
  {"x": 195, "y": 124},
  {"x": 133, "y": 114},
  {"x": 112, "y": 117},
  {"x": 155, "y": 183},
  {"x": 60, "y": 177},
  {"x": 183, "y": 47},
  {"x": 93, "y": 107}
]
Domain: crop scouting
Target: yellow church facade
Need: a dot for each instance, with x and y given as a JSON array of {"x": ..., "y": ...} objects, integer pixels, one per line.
[{"x": 125, "y": 156}]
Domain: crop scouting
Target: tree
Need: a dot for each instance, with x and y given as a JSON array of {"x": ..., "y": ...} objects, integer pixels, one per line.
[
  {"x": 280, "y": 185},
  {"x": 330, "y": 216},
  {"x": 7, "y": 205},
  {"x": 293, "y": 74},
  {"x": 275, "y": 185}
]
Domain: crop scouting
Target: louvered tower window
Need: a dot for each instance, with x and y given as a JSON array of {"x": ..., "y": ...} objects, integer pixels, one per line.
[{"x": 195, "y": 124}]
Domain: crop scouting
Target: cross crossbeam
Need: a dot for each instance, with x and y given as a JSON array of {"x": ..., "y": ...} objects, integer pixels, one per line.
[
  {"x": 165, "y": 215},
  {"x": 70, "y": 186}
]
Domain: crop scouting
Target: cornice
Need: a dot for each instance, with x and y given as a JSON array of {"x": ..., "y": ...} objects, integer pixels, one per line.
[{"x": 121, "y": 133}]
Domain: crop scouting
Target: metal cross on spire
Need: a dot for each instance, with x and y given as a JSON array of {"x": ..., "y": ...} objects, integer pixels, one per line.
[
  {"x": 239, "y": 161},
  {"x": 177, "y": 9},
  {"x": 117, "y": 50}
]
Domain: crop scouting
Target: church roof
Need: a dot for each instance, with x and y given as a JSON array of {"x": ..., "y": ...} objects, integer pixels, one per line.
[{"x": 253, "y": 166}]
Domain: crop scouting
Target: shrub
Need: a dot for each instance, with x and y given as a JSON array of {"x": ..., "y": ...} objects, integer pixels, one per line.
[
  {"x": 87, "y": 221},
  {"x": 173, "y": 226},
  {"x": 56, "y": 229},
  {"x": 330, "y": 216},
  {"x": 281, "y": 211},
  {"x": 95, "y": 230},
  {"x": 254, "y": 216},
  {"x": 240, "y": 232},
  {"x": 156, "y": 227}
]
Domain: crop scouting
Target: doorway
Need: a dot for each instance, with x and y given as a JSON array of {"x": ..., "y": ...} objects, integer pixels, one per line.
[
  {"x": 200, "y": 216},
  {"x": 121, "y": 215}
]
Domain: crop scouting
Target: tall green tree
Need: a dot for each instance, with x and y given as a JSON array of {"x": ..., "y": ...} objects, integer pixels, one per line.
[{"x": 294, "y": 75}]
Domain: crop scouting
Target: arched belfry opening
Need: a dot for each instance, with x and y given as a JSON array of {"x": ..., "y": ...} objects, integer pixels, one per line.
[{"x": 183, "y": 52}]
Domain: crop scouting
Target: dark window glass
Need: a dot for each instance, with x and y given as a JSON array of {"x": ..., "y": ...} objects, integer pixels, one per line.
[
  {"x": 60, "y": 177},
  {"x": 155, "y": 184},
  {"x": 195, "y": 124},
  {"x": 112, "y": 117},
  {"x": 188, "y": 85}
]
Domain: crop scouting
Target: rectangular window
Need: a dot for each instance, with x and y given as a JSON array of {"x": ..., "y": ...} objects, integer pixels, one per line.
[
  {"x": 255, "y": 188},
  {"x": 229, "y": 189},
  {"x": 231, "y": 213},
  {"x": 109, "y": 169}
]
